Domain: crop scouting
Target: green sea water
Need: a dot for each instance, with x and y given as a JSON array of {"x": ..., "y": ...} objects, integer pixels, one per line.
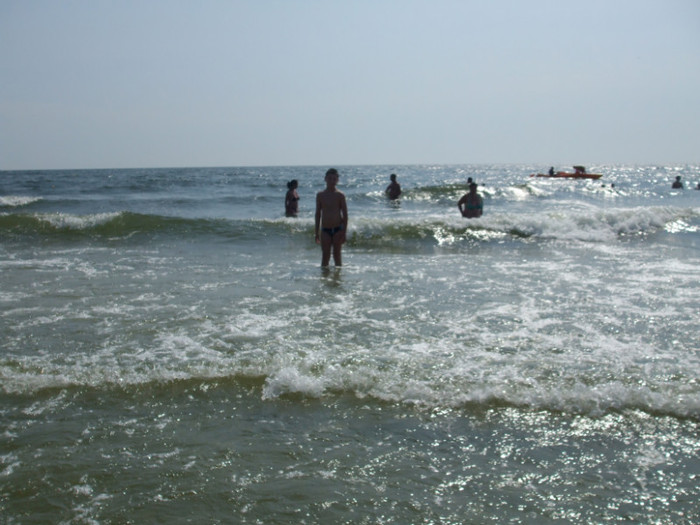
[{"x": 173, "y": 353}]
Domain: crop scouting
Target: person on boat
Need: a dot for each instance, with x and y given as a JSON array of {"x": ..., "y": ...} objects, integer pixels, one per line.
[
  {"x": 471, "y": 205},
  {"x": 677, "y": 185},
  {"x": 291, "y": 200},
  {"x": 393, "y": 190},
  {"x": 551, "y": 171}
]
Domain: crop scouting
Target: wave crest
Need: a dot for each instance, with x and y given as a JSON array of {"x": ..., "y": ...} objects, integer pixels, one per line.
[
  {"x": 584, "y": 225},
  {"x": 17, "y": 201}
]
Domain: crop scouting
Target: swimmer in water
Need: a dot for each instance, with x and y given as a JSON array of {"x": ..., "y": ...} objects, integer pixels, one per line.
[{"x": 471, "y": 205}]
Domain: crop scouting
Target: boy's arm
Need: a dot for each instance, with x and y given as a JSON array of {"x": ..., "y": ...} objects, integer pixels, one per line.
[
  {"x": 318, "y": 216},
  {"x": 344, "y": 212},
  {"x": 344, "y": 217}
]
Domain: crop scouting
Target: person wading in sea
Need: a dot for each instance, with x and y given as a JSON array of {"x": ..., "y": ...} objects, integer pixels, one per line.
[
  {"x": 471, "y": 205},
  {"x": 331, "y": 219},
  {"x": 291, "y": 200},
  {"x": 393, "y": 190}
]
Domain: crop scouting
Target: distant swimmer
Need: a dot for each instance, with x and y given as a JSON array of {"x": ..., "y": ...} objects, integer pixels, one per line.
[
  {"x": 331, "y": 221},
  {"x": 291, "y": 200},
  {"x": 698, "y": 186},
  {"x": 677, "y": 185},
  {"x": 471, "y": 205},
  {"x": 393, "y": 190}
]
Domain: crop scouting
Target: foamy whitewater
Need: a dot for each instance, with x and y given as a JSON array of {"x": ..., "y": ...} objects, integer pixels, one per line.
[{"x": 172, "y": 351}]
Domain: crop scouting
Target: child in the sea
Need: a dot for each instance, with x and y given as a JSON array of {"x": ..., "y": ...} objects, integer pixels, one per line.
[{"x": 331, "y": 219}]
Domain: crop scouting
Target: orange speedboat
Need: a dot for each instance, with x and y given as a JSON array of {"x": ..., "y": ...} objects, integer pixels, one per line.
[{"x": 578, "y": 173}]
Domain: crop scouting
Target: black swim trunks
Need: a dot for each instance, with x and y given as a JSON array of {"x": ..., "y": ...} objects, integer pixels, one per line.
[{"x": 332, "y": 231}]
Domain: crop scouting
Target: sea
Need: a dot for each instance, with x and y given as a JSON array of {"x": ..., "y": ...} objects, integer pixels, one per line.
[{"x": 173, "y": 352}]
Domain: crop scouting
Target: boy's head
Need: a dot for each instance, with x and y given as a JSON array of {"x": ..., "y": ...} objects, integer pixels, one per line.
[{"x": 332, "y": 176}]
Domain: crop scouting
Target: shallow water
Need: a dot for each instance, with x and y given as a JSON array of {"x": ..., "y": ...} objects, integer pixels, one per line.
[{"x": 174, "y": 353}]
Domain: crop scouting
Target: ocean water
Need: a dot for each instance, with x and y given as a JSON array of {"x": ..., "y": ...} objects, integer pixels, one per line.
[{"x": 172, "y": 351}]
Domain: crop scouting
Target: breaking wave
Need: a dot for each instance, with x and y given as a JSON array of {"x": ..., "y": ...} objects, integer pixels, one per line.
[{"x": 594, "y": 225}]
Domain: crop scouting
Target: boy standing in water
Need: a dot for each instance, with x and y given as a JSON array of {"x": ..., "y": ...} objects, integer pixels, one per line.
[{"x": 331, "y": 219}]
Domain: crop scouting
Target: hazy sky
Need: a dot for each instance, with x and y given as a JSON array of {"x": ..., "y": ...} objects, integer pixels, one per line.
[{"x": 162, "y": 83}]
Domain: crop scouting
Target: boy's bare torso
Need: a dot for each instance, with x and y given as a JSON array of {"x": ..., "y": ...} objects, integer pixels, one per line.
[{"x": 331, "y": 204}]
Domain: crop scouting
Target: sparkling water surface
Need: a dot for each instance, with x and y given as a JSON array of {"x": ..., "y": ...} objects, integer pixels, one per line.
[{"x": 173, "y": 352}]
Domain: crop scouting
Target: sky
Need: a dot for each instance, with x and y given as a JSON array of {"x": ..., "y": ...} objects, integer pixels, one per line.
[{"x": 170, "y": 83}]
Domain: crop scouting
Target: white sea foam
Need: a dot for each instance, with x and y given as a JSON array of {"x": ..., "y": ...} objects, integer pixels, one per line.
[
  {"x": 522, "y": 192},
  {"x": 575, "y": 223},
  {"x": 590, "y": 225},
  {"x": 536, "y": 365},
  {"x": 403, "y": 336},
  {"x": 8, "y": 462},
  {"x": 78, "y": 222},
  {"x": 14, "y": 201},
  {"x": 291, "y": 379}
]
